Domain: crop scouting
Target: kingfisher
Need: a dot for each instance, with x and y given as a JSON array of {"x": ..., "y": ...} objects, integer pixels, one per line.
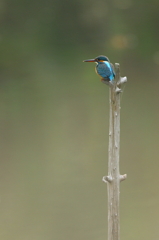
[{"x": 104, "y": 68}]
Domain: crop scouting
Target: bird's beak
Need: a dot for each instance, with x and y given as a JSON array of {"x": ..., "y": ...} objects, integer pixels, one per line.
[{"x": 89, "y": 60}]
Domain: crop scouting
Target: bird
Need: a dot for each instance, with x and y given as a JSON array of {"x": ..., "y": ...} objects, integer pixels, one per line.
[{"x": 104, "y": 68}]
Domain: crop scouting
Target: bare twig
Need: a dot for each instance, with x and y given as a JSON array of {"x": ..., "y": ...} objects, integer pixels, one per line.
[{"x": 113, "y": 179}]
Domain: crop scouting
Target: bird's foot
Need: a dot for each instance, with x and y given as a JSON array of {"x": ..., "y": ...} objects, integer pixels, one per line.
[{"x": 108, "y": 82}]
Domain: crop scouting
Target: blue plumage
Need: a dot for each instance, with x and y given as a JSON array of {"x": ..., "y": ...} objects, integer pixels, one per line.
[{"x": 104, "y": 68}]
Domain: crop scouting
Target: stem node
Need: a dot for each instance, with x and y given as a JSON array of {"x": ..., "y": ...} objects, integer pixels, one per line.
[
  {"x": 123, "y": 177},
  {"x": 107, "y": 179}
]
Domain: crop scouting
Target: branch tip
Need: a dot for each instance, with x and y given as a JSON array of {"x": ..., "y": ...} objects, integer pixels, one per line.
[
  {"x": 123, "y": 177},
  {"x": 107, "y": 179},
  {"x": 117, "y": 65},
  {"x": 122, "y": 80},
  {"x": 118, "y": 90}
]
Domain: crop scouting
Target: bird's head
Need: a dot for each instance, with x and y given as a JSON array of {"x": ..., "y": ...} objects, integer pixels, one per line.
[{"x": 98, "y": 59}]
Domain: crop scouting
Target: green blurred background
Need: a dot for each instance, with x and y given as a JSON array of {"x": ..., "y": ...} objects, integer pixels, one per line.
[{"x": 55, "y": 117}]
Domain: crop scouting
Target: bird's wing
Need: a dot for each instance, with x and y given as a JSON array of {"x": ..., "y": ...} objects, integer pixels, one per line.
[{"x": 103, "y": 71}]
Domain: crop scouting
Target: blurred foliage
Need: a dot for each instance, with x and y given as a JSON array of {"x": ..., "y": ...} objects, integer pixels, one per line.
[{"x": 54, "y": 118}]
